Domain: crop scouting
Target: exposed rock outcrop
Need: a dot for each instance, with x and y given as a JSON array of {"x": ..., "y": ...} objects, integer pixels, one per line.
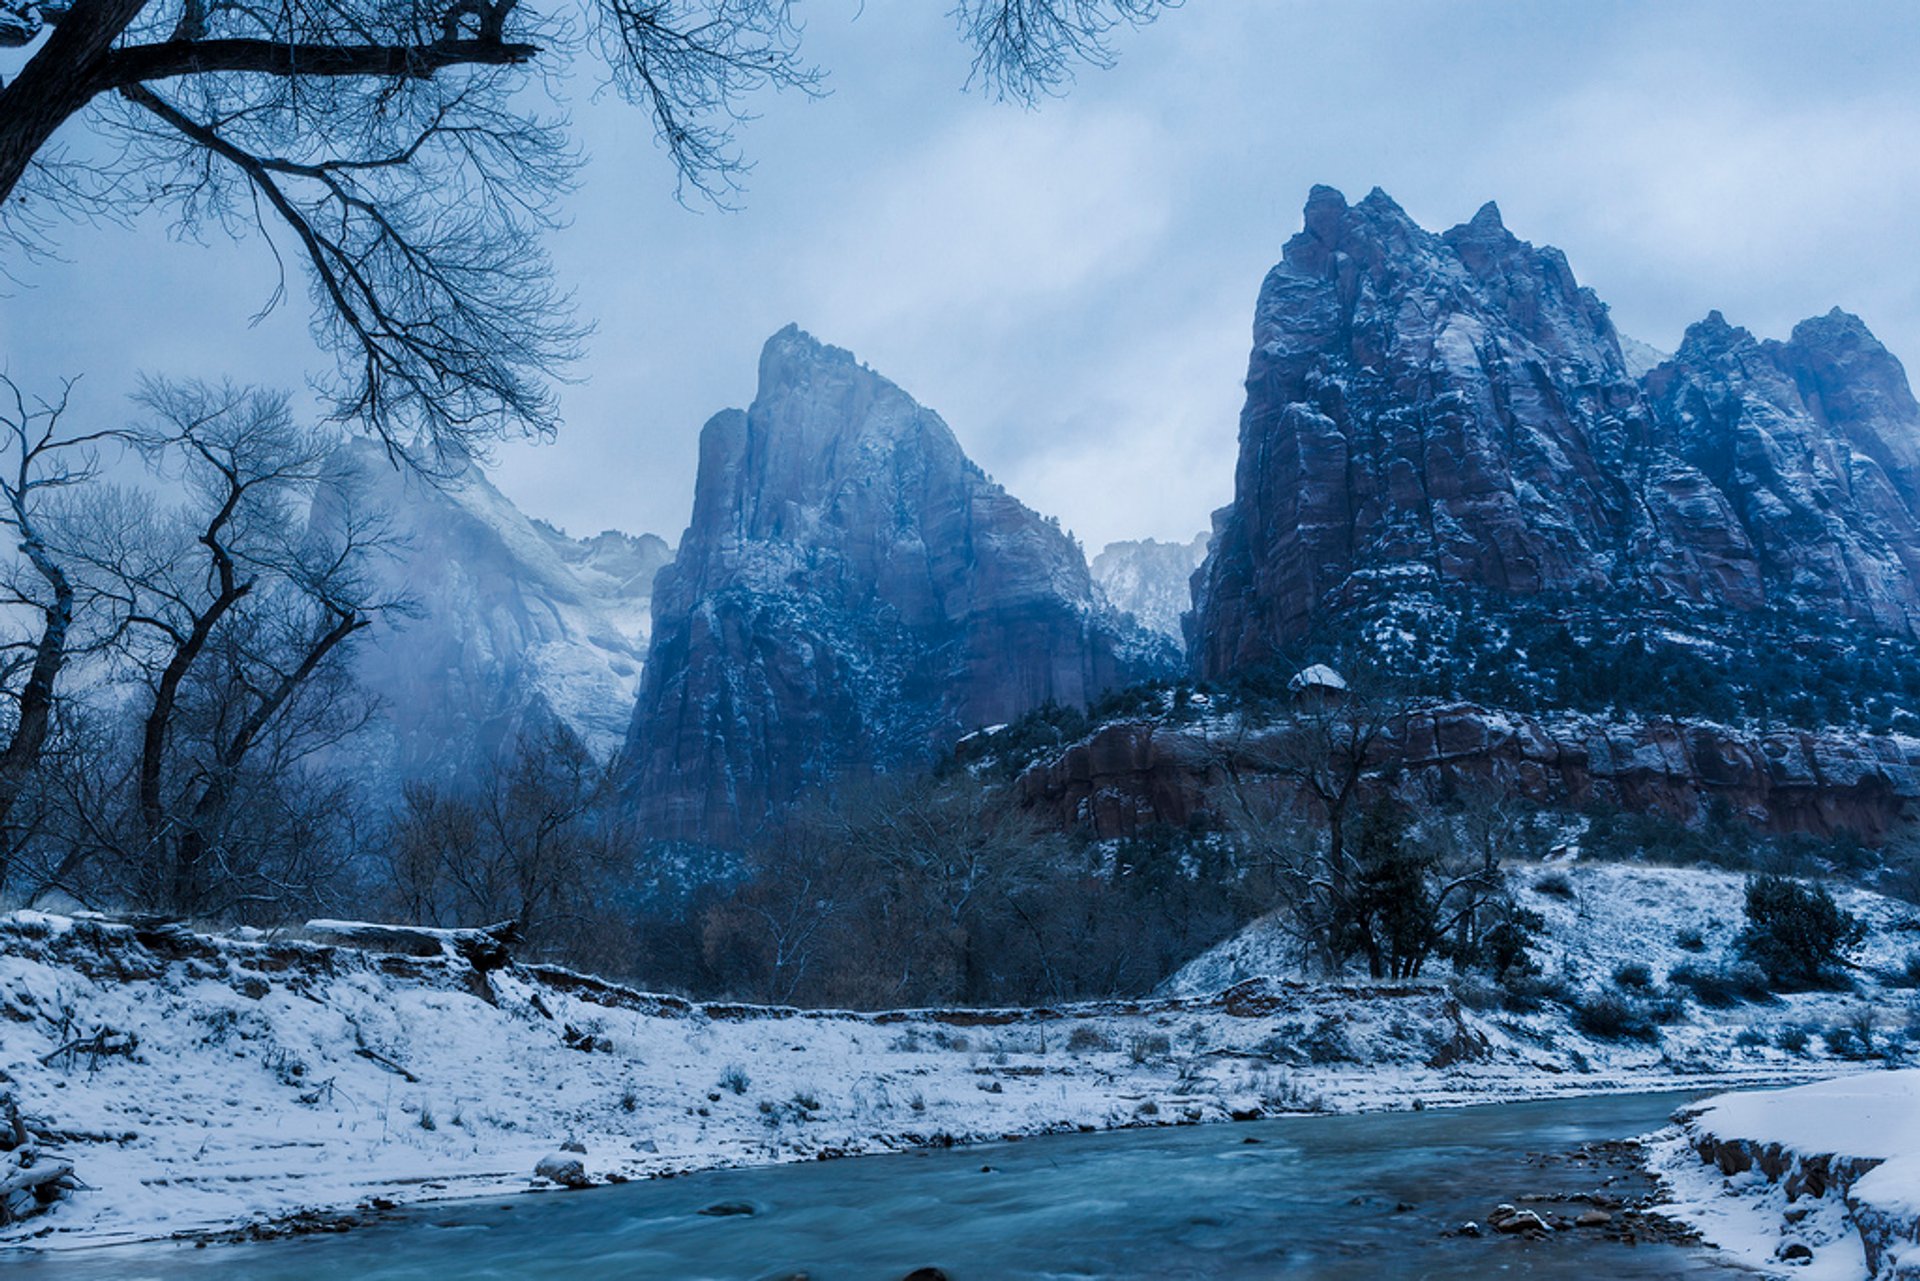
[
  {"x": 511, "y": 626},
  {"x": 1129, "y": 776},
  {"x": 1148, "y": 579},
  {"x": 851, "y": 596},
  {"x": 1425, "y": 411}
]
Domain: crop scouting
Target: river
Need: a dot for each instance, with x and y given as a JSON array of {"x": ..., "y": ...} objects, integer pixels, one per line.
[{"x": 1319, "y": 1197}]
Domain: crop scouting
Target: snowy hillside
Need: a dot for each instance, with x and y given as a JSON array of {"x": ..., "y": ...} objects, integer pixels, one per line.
[{"x": 1603, "y": 919}]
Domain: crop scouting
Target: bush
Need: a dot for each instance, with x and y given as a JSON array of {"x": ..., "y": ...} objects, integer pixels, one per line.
[
  {"x": 1557, "y": 884},
  {"x": 1797, "y": 933},
  {"x": 1084, "y": 1038},
  {"x": 1152, "y": 1045},
  {"x": 1793, "y": 1039},
  {"x": 1846, "y": 1042},
  {"x": 1633, "y": 976},
  {"x": 1691, "y": 940},
  {"x": 735, "y": 1079},
  {"x": 1720, "y": 986},
  {"x": 1909, "y": 975},
  {"x": 1612, "y": 1017}
]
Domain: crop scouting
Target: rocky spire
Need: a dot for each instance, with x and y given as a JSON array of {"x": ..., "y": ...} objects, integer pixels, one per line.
[
  {"x": 851, "y": 596},
  {"x": 1426, "y": 411}
]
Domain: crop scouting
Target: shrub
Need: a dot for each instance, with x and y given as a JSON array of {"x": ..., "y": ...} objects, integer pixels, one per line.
[
  {"x": 1797, "y": 933},
  {"x": 1667, "y": 1009},
  {"x": 1328, "y": 1043},
  {"x": 1750, "y": 1037},
  {"x": 1691, "y": 939},
  {"x": 1084, "y": 1038},
  {"x": 1793, "y": 1039},
  {"x": 1846, "y": 1043},
  {"x": 735, "y": 1079},
  {"x": 1634, "y": 976},
  {"x": 1153, "y": 1045},
  {"x": 1909, "y": 975},
  {"x": 1557, "y": 884},
  {"x": 1720, "y": 986},
  {"x": 1612, "y": 1017}
]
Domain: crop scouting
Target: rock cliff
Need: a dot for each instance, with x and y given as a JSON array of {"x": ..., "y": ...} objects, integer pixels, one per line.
[
  {"x": 1129, "y": 776},
  {"x": 851, "y": 596},
  {"x": 511, "y": 625},
  {"x": 1148, "y": 579},
  {"x": 1431, "y": 412}
]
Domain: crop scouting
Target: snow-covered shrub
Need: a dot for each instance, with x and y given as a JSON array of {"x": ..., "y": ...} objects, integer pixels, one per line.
[
  {"x": 1558, "y": 884},
  {"x": 1612, "y": 1017},
  {"x": 735, "y": 1078},
  {"x": 1721, "y": 986},
  {"x": 1797, "y": 933},
  {"x": 1793, "y": 1038},
  {"x": 1149, "y": 1046},
  {"x": 1085, "y": 1038},
  {"x": 1635, "y": 976}
]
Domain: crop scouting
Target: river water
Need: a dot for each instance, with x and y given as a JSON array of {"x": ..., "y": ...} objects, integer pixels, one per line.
[{"x": 1320, "y": 1197}]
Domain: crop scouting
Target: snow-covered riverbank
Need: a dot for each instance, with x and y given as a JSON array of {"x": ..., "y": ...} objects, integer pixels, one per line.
[
  {"x": 1822, "y": 1178},
  {"x": 197, "y": 1083}
]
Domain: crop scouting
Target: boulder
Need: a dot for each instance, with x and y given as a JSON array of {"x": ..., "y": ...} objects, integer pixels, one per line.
[{"x": 564, "y": 1168}]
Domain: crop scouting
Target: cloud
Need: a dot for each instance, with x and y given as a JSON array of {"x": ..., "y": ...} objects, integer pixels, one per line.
[{"x": 1001, "y": 213}]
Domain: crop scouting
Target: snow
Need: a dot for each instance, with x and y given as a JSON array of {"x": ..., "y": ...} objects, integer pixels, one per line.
[
  {"x": 1874, "y": 1116},
  {"x": 275, "y": 1075},
  {"x": 1865, "y": 1224},
  {"x": 1318, "y": 676}
]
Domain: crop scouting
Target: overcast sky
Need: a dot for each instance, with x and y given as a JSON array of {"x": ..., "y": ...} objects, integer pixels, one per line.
[{"x": 1072, "y": 287}]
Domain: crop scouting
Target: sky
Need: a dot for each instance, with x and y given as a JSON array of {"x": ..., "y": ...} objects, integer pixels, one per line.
[{"x": 1071, "y": 287}]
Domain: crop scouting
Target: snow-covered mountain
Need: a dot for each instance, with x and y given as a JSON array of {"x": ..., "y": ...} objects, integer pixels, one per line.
[
  {"x": 1148, "y": 579},
  {"x": 852, "y": 595},
  {"x": 1453, "y": 416},
  {"x": 511, "y": 625}
]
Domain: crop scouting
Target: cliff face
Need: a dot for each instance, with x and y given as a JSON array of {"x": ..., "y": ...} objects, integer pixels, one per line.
[
  {"x": 1148, "y": 579},
  {"x": 1428, "y": 411},
  {"x": 852, "y": 595},
  {"x": 512, "y": 626},
  {"x": 1131, "y": 776}
]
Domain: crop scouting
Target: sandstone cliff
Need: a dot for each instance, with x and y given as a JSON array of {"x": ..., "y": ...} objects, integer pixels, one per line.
[
  {"x": 851, "y": 596},
  {"x": 1430, "y": 412}
]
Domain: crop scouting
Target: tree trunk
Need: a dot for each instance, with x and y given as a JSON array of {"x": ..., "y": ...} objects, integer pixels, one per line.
[{"x": 57, "y": 81}]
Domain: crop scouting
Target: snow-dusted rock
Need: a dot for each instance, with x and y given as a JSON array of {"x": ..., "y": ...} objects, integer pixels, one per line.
[
  {"x": 564, "y": 1168},
  {"x": 852, "y": 595},
  {"x": 1150, "y": 580},
  {"x": 513, "y": 626},
  {"x": 1457, "y": 410}
]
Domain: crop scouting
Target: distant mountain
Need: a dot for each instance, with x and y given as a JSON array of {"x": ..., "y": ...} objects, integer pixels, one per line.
[
  {"x": 852, "y": 595},
  {"x": 1445, "y": 431},
  {"x": 514, "y": 625},
  {"x": 1148, "y": 579}
]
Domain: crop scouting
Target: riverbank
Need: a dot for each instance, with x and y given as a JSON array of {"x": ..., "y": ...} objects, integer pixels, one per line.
[
  {"x": 1824, "y": 1178},
  {"x": 200, "y": 1083},
  {"x": 1333, "y": 1198}
]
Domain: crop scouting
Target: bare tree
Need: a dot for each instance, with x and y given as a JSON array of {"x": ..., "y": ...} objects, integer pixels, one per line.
[
  {"x": 44, "y": 462},
  {"x": 238, "y": 613},
  {"x": 392, "y": 147},
  {"x": 536, "y": 839}
]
